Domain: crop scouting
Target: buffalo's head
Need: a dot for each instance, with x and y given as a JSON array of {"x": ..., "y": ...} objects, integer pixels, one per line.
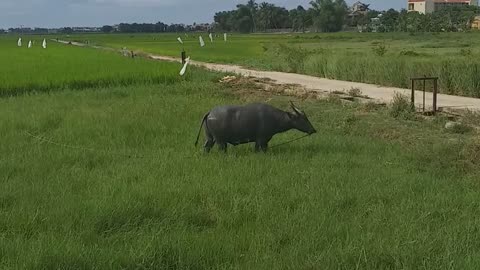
[{"x": 300, "y": 120}]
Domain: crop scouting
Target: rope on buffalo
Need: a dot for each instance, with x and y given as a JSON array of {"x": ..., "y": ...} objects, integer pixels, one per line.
[
  {"x": 291, "y": 141},
  {"x": 48, "y": 141}
]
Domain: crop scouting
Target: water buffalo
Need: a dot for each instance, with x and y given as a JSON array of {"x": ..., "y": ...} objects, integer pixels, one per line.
[{"x": 255, "y": 122}]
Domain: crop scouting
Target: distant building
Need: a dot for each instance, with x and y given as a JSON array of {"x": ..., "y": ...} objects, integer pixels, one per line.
[
  {"x": 476, "y": 23},
  {"x": 86, "y": 29},
  {"x": 375, "y": 23},
  {"x": 356, "y": 11},
  {"x": 429, "y": 6},
  {"x": 359, "y": 7}
]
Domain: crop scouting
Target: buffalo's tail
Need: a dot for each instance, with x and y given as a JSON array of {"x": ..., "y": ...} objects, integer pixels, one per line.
[{"x": 201, "y": 126}]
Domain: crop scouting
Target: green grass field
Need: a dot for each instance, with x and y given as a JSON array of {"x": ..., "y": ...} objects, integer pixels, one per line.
[
  {"x": 121, "y": 186},
  {"x": 389, "y": 59},
  {"x": 58, "y": 67}
]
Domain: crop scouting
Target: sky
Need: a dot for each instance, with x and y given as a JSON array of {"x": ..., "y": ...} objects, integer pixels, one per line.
[{"x": 59, "y": 13}]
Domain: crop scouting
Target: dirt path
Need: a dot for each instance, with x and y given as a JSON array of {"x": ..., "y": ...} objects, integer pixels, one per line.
[{"x": 380, "y": 93}]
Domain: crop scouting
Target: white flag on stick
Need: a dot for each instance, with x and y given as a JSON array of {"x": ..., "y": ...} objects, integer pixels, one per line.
[
  {"x": 225, "y": 37},
  {"x": 211, "y": 37},
  {"x": 44, "y": 44},
  {"x": 180, "y": 40},
  {"x": 29, "y": 44},
  {"x": 202, "y": 43},
  {"x": 184, "y": 68},
  {"x": 19, "y": 42}
]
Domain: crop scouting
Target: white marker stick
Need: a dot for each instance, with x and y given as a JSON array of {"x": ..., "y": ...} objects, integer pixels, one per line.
[
  {"x": 184, "y": 68},
  {"x": 202, "y": 43}
]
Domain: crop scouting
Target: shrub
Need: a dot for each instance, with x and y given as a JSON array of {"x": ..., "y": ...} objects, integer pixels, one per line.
[
  {"x": 355, "y": 92},
  {"x": 401, "y": 107},
  {"x": 409, "y": 53},
  {"x": 380, "y": 49},
  {"x": 465, "y": 52},
  {"x": 460, "y": 128}
]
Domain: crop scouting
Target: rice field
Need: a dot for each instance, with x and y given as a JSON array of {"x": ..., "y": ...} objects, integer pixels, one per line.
[
  {"x": 36, "y": 69},
  {"x": 105, "y": 176}
]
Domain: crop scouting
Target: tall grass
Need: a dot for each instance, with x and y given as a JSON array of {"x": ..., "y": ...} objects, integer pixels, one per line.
[
  {"x": 458, "y": 76},
  {"x": 366, "y": 193},
  {"x": 345, "y": 56}
]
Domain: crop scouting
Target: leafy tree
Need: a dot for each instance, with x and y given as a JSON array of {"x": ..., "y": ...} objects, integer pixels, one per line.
[
  {"x": 299, "y": 19},
  {"x": 244, "y": 20},
  {"x": 265, "y": 15},
  {"x": 389, "y": 20},
  {"x": 225, "y": 20},
  {"x": 329, "y": 15},
  {"x": 281, "y": 18},
  {"x": 67, "y": 30},
  {"x": 253, "y": 7},
  {"x": 107, "y": 29}
]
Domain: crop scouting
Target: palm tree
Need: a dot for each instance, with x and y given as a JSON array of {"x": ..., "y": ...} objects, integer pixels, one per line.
[
  {"x": 329, "y": 15},
  {"x": 253, "y": 7},
  {"x": 266, "y": 11}
]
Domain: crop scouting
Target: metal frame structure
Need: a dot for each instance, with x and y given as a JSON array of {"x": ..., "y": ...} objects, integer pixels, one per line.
[{"x": 435, "y": 91}]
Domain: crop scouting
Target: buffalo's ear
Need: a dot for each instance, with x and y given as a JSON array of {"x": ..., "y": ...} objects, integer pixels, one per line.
[{"x": 295, "y": 109}]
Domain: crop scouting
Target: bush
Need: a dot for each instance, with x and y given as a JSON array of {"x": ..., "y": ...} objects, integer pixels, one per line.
[
  {"x": 459, "y": 128},
  {"x": 380, "y": 49},
  {"x": 355, "y": 92},
  {"x": 401, "y": 107},
  {"x": 465, "y": 52},
  {"x": 409, "y": 53}
]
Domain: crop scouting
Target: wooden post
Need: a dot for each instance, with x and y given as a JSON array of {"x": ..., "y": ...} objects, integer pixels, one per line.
[
  {"x": 413, "y": 93},
  {"x": 184, "y": 57},
  {"x": 435, "y": 93},
  {"x": 424, "y": 88}
]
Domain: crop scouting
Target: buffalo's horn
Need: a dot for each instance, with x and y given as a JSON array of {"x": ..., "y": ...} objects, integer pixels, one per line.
[{"x": 297, "y": 110}]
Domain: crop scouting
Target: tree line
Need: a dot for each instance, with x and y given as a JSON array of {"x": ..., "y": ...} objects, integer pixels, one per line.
[
  {"x": 335, "y": 15},
  {"x": 320, "y": 16},
  {"x": 158, "y": 27}
]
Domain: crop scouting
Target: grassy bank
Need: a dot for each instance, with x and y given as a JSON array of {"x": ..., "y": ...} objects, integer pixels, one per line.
[{"x": 388, "y": 59}]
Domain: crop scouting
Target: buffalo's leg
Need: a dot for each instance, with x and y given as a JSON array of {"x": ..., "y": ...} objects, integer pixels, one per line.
[
  {"x": 222, "y": 146},
  {"x": 208, "y": 145},
  {"x": 210, "y": 141},
  {"x": 261, "y": 145},
  {"x": 264, "y": 147}
]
